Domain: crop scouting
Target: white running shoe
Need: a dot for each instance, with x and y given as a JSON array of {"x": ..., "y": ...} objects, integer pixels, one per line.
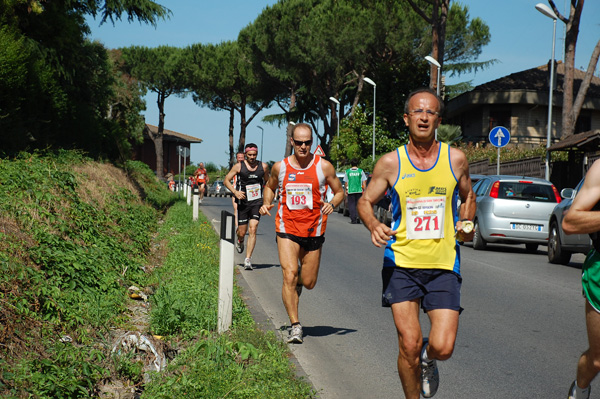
[
  {"x": 247, "y": 264},
  {"x": 430, "y": 377},
  {"x": 573, "y": 392},
  {"x": 295, "y": 335}
]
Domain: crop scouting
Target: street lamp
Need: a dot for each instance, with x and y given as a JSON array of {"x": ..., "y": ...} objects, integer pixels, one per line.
[
  {"x": 547, "y": 11},
  {"x": 337, "y": 103},
  {"x": 369, "y": 81},
  {"x": 433, "y": 61},
  {"x": 262, "y": 133}
]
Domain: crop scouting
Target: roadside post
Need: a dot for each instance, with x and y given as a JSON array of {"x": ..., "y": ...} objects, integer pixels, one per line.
[
  {"x": 225, "y": 309},
  {"x": 499, "y": 137},
  {"x": 188, "y": 189},
  {"x": 195, "y": 195},
  {"x": 185, "y": 153}
]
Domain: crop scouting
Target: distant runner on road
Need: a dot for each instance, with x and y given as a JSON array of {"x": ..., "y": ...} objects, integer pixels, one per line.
[
  {"x": 239, "y": 157},
  {"x": 251, "y": 176},
  {"x": 201, "y": 179}
]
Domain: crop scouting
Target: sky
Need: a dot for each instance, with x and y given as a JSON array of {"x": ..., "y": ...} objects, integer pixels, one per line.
[{"x": 521, "y": 38}]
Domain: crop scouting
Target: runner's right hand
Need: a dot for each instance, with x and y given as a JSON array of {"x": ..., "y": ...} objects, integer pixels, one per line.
[{"x": 264, "y": 210}]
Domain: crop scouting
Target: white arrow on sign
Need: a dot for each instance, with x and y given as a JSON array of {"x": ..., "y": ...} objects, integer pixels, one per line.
[{"x": 499, "y": 135}]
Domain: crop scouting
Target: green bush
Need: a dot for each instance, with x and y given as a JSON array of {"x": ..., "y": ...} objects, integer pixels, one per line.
[
  {"x": 73, "y": 238},
  {"x": 151, "y": 189}
]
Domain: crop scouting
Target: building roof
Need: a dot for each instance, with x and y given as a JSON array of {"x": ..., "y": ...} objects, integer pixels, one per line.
[
  {"x": 526, "y": 87},
  {"x": 582, "y": 141},
  {"x": 170, "y": 135},
  {"x": 538, "y": 79}
]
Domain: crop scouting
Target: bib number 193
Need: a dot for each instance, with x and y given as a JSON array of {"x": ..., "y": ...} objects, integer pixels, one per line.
[{"x": 298, "y": 196}]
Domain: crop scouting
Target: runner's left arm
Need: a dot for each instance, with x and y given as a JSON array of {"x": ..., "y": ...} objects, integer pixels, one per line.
[{"x": 468, "y": 206}]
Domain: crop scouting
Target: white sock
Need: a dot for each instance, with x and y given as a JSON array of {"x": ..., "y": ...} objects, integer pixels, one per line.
[
  {"x": 581, "y": 392},
  {"x": 424, "y": 356}
]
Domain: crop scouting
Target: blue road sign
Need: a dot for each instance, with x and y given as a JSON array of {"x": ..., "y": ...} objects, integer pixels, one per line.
[{"x": 499, "y": 136}]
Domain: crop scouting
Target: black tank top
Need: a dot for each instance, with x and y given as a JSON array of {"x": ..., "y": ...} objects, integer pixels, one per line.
[{"x": 248, "y": 178}]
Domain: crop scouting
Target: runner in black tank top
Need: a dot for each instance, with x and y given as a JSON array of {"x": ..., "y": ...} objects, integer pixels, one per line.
[{"x": 251, "y": 176}]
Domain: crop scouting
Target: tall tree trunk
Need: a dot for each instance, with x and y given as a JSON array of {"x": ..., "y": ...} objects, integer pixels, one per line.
[
  {"x": 158, "y": 139},
  {"x": 289, "y": 127},
  {"x": 242, "y": 111},
  {"x": 568, "y": 123},
  {"x": 231, "y": 150},
  {"x": 585, "y": 84},
  {"x": 246, "y": 122},
  {"x": 359, "y": 89},
  {"x": 437, "y": 20}
]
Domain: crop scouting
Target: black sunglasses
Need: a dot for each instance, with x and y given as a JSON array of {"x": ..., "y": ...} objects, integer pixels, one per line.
[{"x": 299, "y": 143}]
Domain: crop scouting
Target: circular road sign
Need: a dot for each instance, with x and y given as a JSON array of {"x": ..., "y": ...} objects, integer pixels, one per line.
[{"x": 499, "y": 136}]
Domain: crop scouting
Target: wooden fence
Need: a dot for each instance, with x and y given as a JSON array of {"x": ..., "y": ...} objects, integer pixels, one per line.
[
  {"x": 533, "y": 167},
  {"x": 563, "y": 174}
]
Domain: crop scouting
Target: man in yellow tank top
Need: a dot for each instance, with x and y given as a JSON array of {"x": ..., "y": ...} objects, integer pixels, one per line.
[{"x": 421, "y": 260}]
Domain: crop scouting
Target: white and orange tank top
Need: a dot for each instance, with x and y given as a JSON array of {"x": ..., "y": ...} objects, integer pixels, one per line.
[
  {"x": 302, "y": 196},
  {"x": 424, "y": 213}
]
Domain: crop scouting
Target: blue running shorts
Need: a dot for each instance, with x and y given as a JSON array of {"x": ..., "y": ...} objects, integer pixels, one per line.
[{"x": 437, "y": 289}]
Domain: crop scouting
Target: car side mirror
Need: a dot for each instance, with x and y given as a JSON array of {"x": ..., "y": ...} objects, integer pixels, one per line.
[{"x": 567, "y": 193}]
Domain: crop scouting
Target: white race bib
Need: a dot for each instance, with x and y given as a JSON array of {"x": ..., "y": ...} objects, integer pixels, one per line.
[
  {"x": 298, "y": 196},
  {"x": 253, "y": 192},
  {"x": 425, "y": 218}
]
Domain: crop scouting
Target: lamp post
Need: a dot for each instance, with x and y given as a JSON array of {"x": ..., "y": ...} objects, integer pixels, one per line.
[
  {"x": 262, "y": 133},
  {"x": 433, "y": 61},
  {"x": 547, "y": 11},
  {"x": 369, "y": 81},
  {"x": 337, "y": 103}
]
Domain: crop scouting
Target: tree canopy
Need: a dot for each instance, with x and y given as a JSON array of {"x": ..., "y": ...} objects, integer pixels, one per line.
[
  {"x": 58, "y": 89},
  {"x": 297, "y": 55}
]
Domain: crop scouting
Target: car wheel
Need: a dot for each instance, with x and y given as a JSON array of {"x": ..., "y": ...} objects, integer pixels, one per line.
[
  {"x": 530, "y": 247},
  {"x": 478, "y": 241},
  {"x": 556, "y": 254}
]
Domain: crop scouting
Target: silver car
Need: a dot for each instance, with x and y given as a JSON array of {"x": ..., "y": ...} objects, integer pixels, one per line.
[
  {"x": 560, "y": 245},
  {"x": 329, "y": 192},
  {"x": 218, "y": 189},
  {"x": 513, "y": 210}
]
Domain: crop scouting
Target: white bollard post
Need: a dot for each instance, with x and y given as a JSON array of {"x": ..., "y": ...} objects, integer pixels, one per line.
[
  {"x": 189, "y": 194},
  {"x": 225, "y": 308},
  {"x": 195, "y": 203}
]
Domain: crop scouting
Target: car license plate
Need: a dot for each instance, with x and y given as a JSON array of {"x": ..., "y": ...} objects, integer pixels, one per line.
[{"x": 531, "y": 227}]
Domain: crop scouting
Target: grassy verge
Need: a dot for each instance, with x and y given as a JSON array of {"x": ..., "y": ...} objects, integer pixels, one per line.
[
  {"x": 243, "y": 363},
  {"x": 75, "y": 235}
]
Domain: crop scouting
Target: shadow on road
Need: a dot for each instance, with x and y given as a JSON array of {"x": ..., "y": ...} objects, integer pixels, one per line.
[
  {"x": 258, "y": 266},
  {"x": 322, "y": 331}
]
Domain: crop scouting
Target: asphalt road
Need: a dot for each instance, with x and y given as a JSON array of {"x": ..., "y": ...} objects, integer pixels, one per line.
[{"x": 520, "y": 334}]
